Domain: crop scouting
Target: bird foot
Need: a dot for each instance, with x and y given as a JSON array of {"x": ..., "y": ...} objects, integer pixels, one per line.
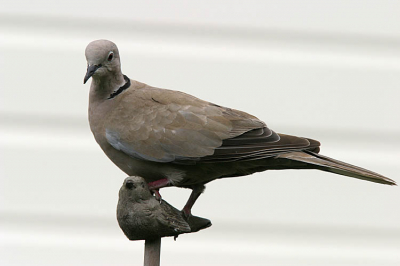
[
  {"x": 157, "y": 195},
  {"x": 187, "y": 213},
  {"x": 156, "y": 185}
]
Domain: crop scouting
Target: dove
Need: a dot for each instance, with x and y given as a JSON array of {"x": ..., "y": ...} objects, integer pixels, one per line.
[
  {"x": 171, "y": 138},
  {"x": 141, "y": 216}
]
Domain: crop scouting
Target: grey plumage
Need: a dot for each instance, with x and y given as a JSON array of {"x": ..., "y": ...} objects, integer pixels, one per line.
[{"x": 163, "y": 134}]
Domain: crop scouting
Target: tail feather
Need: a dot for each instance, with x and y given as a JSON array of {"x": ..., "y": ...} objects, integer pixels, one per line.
[{"x": 331, "y": 165}]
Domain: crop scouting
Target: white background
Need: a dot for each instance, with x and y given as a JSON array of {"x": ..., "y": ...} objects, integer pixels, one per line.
[{"x": 327, "y": 70}]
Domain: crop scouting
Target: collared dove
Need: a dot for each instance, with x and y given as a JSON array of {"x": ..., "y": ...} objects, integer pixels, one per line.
[
  {"x": 141, "y": 216},
  {"x": 174, "y": 139}
]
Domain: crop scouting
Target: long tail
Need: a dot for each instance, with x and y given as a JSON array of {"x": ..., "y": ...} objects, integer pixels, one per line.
[{"x": 309, "y": 159}]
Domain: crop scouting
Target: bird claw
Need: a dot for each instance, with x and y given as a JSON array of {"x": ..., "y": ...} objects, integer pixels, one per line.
[
  {"x": 156, "y": 185},
  {"x": 157, "y": 195},
  {"x": 186, "y": 212}
]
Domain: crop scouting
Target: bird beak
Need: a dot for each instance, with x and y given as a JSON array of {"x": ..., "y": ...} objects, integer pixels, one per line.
[{"x": 90, "y": 71}]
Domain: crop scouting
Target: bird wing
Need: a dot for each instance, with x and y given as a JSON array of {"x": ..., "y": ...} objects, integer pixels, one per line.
[
  {"x": 170, "y": 126},
  {"x": 172, "y": 219},
  {"x": 258, "y": 144}
]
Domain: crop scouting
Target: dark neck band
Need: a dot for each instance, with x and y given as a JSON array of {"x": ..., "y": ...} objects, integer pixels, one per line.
[{"x": 121, "y": 89}]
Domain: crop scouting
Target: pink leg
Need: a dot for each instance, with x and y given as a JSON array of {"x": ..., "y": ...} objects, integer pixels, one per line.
[
  {"x": 156, "y": 185},
  {"x": 196, "y": 192},
  {"x": 159, "y": 184}
]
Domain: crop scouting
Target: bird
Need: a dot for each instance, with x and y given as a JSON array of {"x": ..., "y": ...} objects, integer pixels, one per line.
[
  {"x": 171, "y": 138},
  {"x": 141, "y": 216}
]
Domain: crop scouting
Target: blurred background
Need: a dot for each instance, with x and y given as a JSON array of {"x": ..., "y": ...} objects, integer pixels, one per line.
[{"x": 327, "y": 70}]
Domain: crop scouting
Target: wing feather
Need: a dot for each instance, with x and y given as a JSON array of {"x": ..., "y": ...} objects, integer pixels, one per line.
[{"x": 171, "y": 126}]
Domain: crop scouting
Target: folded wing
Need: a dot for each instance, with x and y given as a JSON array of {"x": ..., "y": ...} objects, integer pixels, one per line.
[{"x": 171, "y": 126}]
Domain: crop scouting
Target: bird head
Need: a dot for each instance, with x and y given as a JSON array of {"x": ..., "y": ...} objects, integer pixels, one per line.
[
  {"x": 135, "y": 189},
  {"x": 102, "y": 57}
]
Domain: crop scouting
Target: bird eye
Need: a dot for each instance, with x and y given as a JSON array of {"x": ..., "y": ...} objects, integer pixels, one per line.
[
  {"x": 129, "y": 184},
  {"x": 110, "y": 56}
]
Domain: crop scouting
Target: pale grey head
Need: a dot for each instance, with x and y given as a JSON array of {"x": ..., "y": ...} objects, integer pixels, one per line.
[
  {"x": 102, "y": 58},
  {"x": 134, "y": 189}
]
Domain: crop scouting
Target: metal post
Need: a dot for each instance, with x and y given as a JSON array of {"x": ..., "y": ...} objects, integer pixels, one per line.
[{"x": 152, "y": 251}]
